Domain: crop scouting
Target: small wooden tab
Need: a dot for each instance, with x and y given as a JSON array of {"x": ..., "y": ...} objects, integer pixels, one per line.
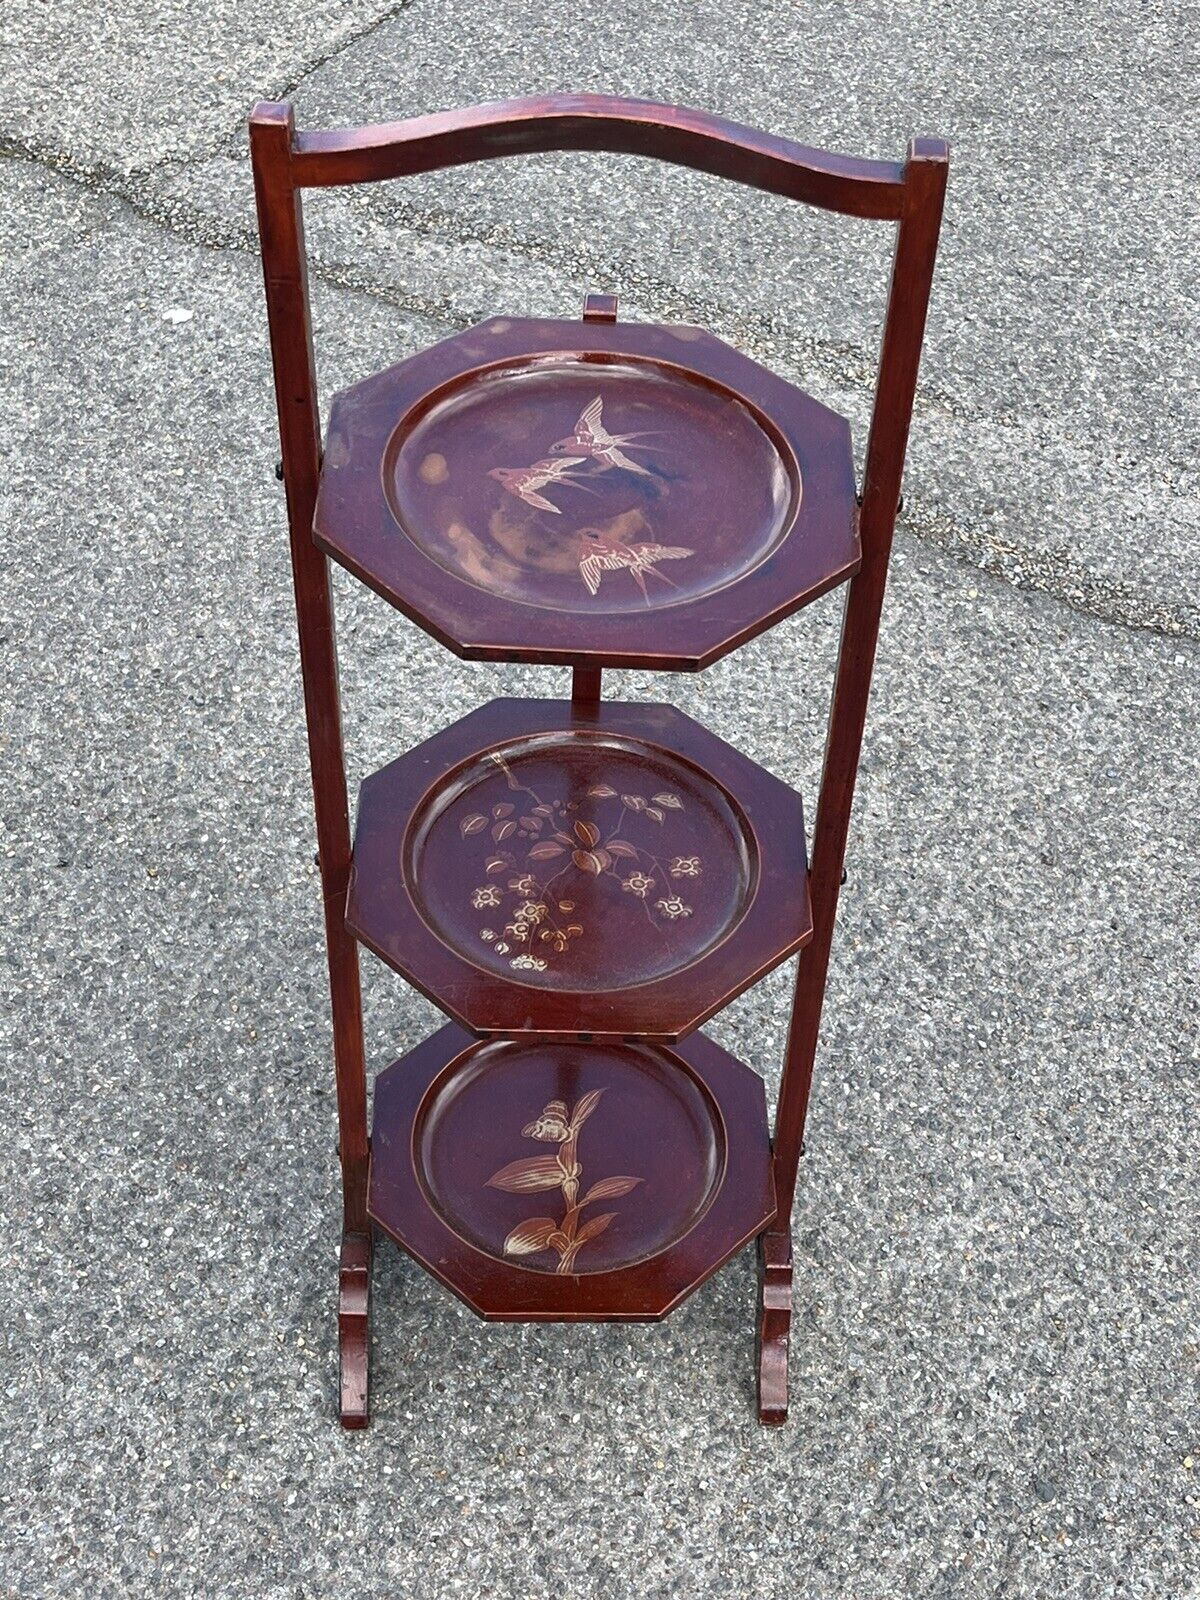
[
  {"x": 585, "y": 686},
  {"x": 600, "y": 308}
]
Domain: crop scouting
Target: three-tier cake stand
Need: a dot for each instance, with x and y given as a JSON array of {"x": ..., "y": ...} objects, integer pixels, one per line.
[{"x": 579, "y": 884}]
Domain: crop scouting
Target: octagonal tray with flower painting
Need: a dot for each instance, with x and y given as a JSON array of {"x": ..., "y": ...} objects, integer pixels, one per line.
[
  {"x": 553, "y": 1180},
  {"x": 599, "y": 872}
]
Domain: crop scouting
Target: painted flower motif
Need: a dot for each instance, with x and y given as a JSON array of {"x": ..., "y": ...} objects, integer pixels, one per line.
[
  {"x": 638, "y": 883},
  {"x": 552, "y": 1126},
  {"x": 562, "y": 834},
  {"x": 561, "y": 1171}
]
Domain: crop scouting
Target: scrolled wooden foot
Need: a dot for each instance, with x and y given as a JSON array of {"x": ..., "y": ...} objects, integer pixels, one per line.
[
  {"x": 354, "y": 1336},
  {"x": 774, "y": 1325}
]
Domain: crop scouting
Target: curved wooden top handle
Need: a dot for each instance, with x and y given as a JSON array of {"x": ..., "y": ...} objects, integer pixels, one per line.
[{"x": 687, "y": 138}]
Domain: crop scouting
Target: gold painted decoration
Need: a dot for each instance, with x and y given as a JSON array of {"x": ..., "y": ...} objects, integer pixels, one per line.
[
  {"x": 600, "y": 550},
  {"x": 534, "y": 850},
  {"x": 562, "y": 1171}
]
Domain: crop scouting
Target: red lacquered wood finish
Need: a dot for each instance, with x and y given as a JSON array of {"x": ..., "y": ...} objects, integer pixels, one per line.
[
  {"x": 573, "y": 492},
  {"x": 285, "y": 271},
  {"x": 774, "y": 1325},
  {"x": 354, "y": 1312},
  {"x": 542, "y": 123},
  {"x": 912, "y": 277},
  {"x": 541, "y": 868},
  {"x": 553, "y": 1181},
  {"x": 469, "y": 566}
]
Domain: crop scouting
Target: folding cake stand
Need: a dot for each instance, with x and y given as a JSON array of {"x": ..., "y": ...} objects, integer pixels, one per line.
[{"x": 580, "y": 884}]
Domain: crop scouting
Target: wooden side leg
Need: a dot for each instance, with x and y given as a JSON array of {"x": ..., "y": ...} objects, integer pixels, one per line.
[
  {"x": 354, "y": 1333},
  {"x": 774, "y": 1325}
]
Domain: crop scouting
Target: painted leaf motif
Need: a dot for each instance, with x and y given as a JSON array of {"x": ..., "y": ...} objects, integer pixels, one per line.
[
  {"x": 503, "y": 830},
  {"x": 595, "y": 1226},
  {"x": 653, "y": 811},
  {"x": 543, "y": 811},
  {"x": 472, "y": 824},
  {"x": 528, "y": 1176},
  {"x": 535, "y": 823},
  {"x": 671, "y": 801},
  {"x": 602, "y": 791},
  {"x": 609, "y": 1189},
  {"x": 545, "y": 852},
  {"x": 529, "y": 1237},
  {"x": 495, "y": 864},
  {"x": 633, "y": 801},
  {"x": 561, "y": 1171},
  {"x": 587, "y": 833},
  {"x": 584, "y": 1109},
  {"x": 587, "y": 861},
  {"x": 504, "y": 810},
  {"x": 564, "y": 838},
  {"x": 619, "y": 848}
]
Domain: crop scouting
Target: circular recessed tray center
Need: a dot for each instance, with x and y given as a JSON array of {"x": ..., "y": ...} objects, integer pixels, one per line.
[
  {"x": 569, "y": 1158},
  {"x": 580, "y": 862},
  {"x": 591, "y": 486}
]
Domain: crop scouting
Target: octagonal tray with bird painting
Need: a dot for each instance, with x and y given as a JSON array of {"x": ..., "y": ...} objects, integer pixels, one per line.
[
  {"x": 608, "y": 489},
  {"x": 628, "y": 491}
]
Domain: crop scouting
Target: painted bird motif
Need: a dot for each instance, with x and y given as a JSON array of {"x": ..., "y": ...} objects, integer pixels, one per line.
[
  {"x": 525, "y": 482},
  {"x": 592, "y": 439},
  {"x": 602, "y": 555}
]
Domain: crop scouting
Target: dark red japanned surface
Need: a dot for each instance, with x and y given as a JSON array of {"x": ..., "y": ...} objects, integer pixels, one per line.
[
  {"x": 561, "y": 1181},
  {"x": 568, "y": 491},
  {"x": 602, "y": 871},
  {"x": 910, "y": 194}
]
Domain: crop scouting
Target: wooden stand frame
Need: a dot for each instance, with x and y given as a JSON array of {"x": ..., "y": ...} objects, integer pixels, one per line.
[{"x": 909, "y": 194}]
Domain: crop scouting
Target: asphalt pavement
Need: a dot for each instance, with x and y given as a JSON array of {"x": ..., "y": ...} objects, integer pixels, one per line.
[{"x": 995, "y": 1347}]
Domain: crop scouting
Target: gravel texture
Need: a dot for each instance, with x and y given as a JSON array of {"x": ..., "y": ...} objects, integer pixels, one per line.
[{"x": 995, "y": 1347}]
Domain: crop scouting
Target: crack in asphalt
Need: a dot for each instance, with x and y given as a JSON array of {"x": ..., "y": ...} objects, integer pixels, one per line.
[
  {"x": 347, "y": 43},
  {"x": 760, "y": 335},
  {"x": 207, "y": 232},
  {"x": 841, "y": 362}
]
